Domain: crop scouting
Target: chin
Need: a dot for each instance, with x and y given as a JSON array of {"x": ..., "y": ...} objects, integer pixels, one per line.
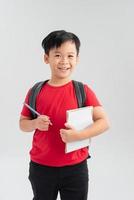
[{"x": 64, "y": 76}]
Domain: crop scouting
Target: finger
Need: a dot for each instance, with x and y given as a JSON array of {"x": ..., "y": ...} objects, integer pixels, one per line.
[
  {"x": 46, "y": 119},
  {"x": 63, "y": 131},
  {"x": 44, "y": 128},
  {"x": 44, "y": 123},
  {"x": 43, "y": 117},
  {"x": 62, "y": 137},
  {"x": 69, "y": 126}
]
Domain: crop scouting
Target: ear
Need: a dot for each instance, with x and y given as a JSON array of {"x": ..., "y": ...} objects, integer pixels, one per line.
[
  {"x": 46, "y": 58},
  {"x": 77, "y": 59}
]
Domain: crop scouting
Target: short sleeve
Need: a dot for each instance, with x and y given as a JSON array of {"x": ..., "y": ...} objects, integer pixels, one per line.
[
  {"x": 91, "y": 98},
  {"x": 25, "y": 111}
]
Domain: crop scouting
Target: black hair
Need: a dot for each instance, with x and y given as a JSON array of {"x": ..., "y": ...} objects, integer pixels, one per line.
[{"x": 56, "y": 38}]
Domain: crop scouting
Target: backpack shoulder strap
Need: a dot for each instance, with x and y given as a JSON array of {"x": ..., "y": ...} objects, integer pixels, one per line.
[
  {"x": 33, "y": 94},
  {"x": 81, "y": 96},
  {"x": 80, "y": 93}
]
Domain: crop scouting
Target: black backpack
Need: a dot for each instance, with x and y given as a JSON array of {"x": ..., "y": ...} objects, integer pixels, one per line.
[{"x": 79, "y": 91}]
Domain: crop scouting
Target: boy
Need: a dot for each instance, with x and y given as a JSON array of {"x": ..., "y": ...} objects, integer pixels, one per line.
[{"x": 51, "y": 169}]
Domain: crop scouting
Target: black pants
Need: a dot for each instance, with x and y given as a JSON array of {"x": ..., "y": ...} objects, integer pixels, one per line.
[{"x": 70, "y": 181}]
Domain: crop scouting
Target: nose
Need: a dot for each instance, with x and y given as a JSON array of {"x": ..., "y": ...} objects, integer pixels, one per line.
[{"x": 64, "y": 59}]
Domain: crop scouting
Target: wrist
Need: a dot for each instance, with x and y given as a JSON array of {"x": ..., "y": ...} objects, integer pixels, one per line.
[
  {"x": 78, "y": 135},
  {"x": 81, "y": 135},
  {"x": 34, "y": 124}
]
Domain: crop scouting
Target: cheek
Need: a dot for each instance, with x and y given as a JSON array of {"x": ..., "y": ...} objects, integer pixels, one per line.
[
  {"x": 55, "y": 62},
  {"x": 74, "y": 63}
]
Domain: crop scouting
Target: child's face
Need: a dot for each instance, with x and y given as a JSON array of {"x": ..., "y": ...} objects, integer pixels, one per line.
[{"x": 62, "y": 60}]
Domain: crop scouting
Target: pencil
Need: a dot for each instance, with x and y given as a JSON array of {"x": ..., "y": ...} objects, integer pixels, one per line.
[{"x": 30, "y": 108}]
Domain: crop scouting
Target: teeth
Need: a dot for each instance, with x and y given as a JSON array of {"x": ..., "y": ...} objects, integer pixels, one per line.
[{"x": 63, "y": 68}]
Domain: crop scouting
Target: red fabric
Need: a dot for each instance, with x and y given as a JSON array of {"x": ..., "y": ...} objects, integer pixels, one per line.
[{"x": 47, "y": 146}]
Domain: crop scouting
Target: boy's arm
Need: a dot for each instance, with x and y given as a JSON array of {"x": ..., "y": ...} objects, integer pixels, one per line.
[
  {"x": 100, "y": 124},
  {"x": 27, "y": 124}
]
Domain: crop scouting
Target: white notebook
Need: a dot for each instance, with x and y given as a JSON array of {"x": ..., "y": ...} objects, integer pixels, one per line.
[{"x": 80, "y": 119}]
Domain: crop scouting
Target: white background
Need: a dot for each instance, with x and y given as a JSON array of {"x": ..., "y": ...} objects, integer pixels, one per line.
[{"x": 106, "y": 31}]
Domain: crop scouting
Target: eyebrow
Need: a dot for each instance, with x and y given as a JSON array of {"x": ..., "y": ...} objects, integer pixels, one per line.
[{"x": 67, "y": 52}]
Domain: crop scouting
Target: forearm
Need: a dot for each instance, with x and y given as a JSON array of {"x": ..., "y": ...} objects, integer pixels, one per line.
[
  {"x": 98, "y": 127},
  {"x": 27, "y": 125}
]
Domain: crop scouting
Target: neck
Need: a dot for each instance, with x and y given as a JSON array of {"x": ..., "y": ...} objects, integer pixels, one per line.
[{"x": 58, "y": 82}]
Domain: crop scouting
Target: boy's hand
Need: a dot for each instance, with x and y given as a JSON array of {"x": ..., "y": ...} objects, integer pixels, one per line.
[
  {"x": 42, "y": 123},
  {"x": 69, "y": 134}
]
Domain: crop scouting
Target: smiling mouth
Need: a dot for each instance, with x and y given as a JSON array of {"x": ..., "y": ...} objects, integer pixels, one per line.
[{"x": 63, "y": 68}]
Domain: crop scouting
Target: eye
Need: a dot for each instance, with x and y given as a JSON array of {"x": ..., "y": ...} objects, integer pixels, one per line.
[
  {"x": 70, "y": 56},
  {"x": 57, "y": 55}
]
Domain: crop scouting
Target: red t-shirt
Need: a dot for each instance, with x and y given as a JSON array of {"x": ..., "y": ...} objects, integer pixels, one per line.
[{"x": 47, "y": 146}]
